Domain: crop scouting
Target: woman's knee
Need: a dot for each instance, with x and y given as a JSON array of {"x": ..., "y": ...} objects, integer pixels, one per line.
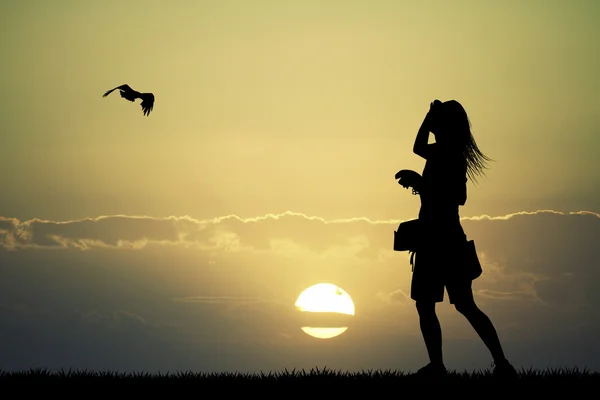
[
  {"x": 466, "y": 306},
  {"x": 425, "y": 307}
]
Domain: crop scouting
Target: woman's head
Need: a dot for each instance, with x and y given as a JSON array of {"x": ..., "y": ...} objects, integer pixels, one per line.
[{"x": 452, "y": 130}]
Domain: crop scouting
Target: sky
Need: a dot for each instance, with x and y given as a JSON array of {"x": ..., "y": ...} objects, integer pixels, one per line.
[{"x": 181, "y": 240}]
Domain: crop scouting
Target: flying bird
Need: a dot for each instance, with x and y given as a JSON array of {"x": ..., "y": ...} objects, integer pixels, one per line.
[{"x": 130, "y": 94}]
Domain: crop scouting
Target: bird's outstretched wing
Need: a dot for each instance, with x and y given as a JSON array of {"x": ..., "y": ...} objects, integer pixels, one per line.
[
  {"x": 147, "y": 102},
  {"x": 123, "y": 88}
]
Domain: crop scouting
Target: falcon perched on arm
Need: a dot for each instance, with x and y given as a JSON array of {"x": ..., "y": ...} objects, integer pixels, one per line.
[{"x": 130, "y": 94}]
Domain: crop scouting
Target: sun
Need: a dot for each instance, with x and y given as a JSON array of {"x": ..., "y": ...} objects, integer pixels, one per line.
[{"x": 325, "y": 298}]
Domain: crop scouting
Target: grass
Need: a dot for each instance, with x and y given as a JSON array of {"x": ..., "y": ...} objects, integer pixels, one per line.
[{"x": 322, "y": 377}]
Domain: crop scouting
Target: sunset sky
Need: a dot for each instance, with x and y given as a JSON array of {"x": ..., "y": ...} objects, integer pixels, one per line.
[{"x": 181, "y": 240}]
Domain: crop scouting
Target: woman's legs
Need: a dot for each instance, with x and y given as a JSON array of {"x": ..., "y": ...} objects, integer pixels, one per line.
[
  {"x": 431, "y": 330},
  {"x": 426, "y": 289},
  {"x": 486, "y": 331},
  {"x": 481, "y": 323}
]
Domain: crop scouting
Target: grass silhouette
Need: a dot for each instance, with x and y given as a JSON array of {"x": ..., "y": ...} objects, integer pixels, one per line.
[{"x": 324, "y": 377}]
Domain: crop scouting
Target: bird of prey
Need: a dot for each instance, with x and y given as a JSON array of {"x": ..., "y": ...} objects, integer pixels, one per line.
[{"x": 130, "y": 94}]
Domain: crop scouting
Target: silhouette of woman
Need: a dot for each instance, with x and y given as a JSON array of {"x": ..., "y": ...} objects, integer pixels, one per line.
[{"x": 450, "y": 162}]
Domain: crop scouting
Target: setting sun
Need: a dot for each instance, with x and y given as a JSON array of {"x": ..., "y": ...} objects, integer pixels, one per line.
[{"x": 325, "y": 298}]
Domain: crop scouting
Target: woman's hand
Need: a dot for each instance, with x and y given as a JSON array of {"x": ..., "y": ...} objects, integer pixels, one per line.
[
  {"x": 431, "y": 117},
  {"x": 408, "y": 178}
]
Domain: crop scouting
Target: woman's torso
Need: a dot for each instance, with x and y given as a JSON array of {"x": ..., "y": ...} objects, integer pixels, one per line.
[{"x": 442, "y": 178}]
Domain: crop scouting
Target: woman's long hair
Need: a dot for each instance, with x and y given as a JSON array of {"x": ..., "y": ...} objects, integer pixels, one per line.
[{"x": 458, "y": 128}]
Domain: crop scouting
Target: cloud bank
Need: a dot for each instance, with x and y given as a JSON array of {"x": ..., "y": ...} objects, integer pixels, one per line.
[{"x": 138, "y": 292}]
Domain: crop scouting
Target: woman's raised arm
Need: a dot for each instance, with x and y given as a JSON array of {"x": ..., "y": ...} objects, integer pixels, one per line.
[{"x": 421, "y": 146}]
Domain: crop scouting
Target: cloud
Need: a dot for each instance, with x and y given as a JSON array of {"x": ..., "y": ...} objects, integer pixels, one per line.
[
  {"x": 395, "y": 296},
  {"x": 228, "y": 232},
  {"x": 524, "y": 254},
  {"x": 183, "y": 283},
  {"x": 113, "y": 231},
  {"x": 217, "y": 299},
  {"x": 231, "y": 232},
  {"x": 115, "y": 319}
]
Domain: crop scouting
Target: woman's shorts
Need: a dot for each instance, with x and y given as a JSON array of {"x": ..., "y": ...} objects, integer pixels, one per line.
[{"x": 438, "y": 266}]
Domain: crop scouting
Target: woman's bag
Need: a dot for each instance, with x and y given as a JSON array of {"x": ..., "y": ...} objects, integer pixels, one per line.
[
  {"x": 471, "y": 261},
  {"x": 408, "y": 236}
]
